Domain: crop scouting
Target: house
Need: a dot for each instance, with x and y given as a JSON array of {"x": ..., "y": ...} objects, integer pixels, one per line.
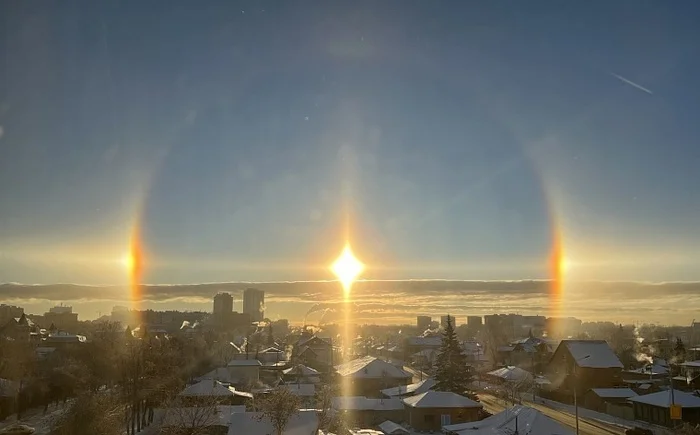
[
  {"x": 20, "y": 328},
  {"x": 210, "y": 391},
  {"x": 590, "y": 363},
  {"x": 216, "y": 419},
  {"x": 271, "y": 355},
  {"x": 598, "y": 398},
  {"x": 656, "y": 408},
  {"x": 63, "y": 340},
  {"x": 658, "y": 369},
  {"x": 244, "y": 371},
  {"x": 434, "y": 409},
  {"x": 518, "y": 419},
  {"x": 368, "y": 376},
  {"x": 411, "y": 389},
  {"x": 367, "y": 412},
  {"x": 305, "y": 392},
  {"x": 391, "y": 428},
  {"x": 416, "y": 344},
  {"x": 510, "y": 374},
  {"x": 301, "y": 373},
  {"x": 304, "y": 422},
  {"x": 315, "y": 352}
]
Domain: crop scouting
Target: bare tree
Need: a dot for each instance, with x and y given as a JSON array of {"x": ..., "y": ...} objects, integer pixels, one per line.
[
  {"x": 202, "y": 419},
  {"x": 513, "y": 390},
  {"x": 91, "y": 413},
  {"x": 278, "y": 407}
]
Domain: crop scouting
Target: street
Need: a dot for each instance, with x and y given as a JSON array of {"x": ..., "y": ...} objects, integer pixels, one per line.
[{"x": 494, "y": 405}]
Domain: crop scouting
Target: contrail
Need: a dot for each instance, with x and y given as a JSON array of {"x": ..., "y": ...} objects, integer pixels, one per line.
[{"x": 631, "y": 83}]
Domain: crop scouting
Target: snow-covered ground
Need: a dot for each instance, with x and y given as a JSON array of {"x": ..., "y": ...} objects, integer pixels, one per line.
[{"x": 36, "y": 418}]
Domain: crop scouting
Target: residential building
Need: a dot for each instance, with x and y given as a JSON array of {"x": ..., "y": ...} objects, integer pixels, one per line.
[
  {"x": 223, "y": 304},
  {"x": 314, "y": 351},
  {"x": 301, "y": 374},
  {"x": 598, "y": 398},
  {"x": 244, "y": 371},
  {"x": 368, "y": 376},
  {"x": 443, "y": 321},
  {"x": 20, "y": 329},
  {"x": 209, "y": 390},
  {"x": 562, "y": 326},
  {"x": 423, "y": 323},
  {"x": 517, "y": 419},
  {"x": 411, "y": 389},
  {"x": 583, "y": 364},
  {"x": 432, "y": 410},
  {"x": 254, "y": 304},
  {"x": 656, "y": 408},
  {"x": 8, "y": 312},
  {"x": 303, "y": 422},
  {"x": 474, "y": 321},
  {"x": 360, "y": 411}
]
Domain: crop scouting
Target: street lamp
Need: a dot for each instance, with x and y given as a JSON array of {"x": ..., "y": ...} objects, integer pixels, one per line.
[{"x": 576, "y": 361}]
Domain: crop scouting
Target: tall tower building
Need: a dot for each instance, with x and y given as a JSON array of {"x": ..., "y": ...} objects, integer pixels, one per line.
[
  {"x": 254, "y": 304},
  {"x": 223, "y": 304}
]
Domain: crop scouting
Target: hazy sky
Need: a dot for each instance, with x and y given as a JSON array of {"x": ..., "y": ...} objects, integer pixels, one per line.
[{"x": 455, "y": 137}]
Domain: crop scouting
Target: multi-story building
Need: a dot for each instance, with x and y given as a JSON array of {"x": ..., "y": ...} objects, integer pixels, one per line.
[
  {"x": 223, "y": 304},
  {"x": 61, "y": 317},
  {"x": 474, "y": 321},
  {"x": 254, "y": 304},
  {"x": 423, "y": 322}
]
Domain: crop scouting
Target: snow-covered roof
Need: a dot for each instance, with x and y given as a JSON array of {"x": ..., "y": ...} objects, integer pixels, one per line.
[
  {"x": 302, "y": 423},
  {"x": 243, "y": 363},
  {"x": 435, "y": 341},
  {"x": 650, "y": 369},
  {"x": 301, "y": 370},
  {"x": 391, "y": 428},
  {"x": 208, "y": 387},
  {"x": 417, "y": 388},
  {"x": 440, "y": 399},
  {"x": 302, "y": 390},
  {"x": 529, "y": 421},
  {"x": 663, "y": 399},
  {"x": 271, "y": 349},
  {"x": 362, "y": 403},
  {"x": 511, "y": 374},
  {"x": 592, "y": 353},
  {"x": 691, "y": 364},
  {"x": 370, "y": 367},
  {"x": 614, "y": 393},
  {"x": 220, "y": 374}
]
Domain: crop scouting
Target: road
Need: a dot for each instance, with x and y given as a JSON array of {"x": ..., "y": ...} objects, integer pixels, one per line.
[{"x": 493, "y": 405}]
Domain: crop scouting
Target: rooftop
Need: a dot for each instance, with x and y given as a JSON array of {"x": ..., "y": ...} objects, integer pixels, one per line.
[
  {"x": 370, "y": 367},
  {"x": 592, "y": 353},
  {"x": 527, "y": 420},
  {"x": 663, "y": 399},
  {"x": 440, "y": 399},
  {"x": 614, "y": 393},
  {"x": 208, "y": 387},
  {"x": 244, "y": 363},
  {"x": 417, "y": 388},
  {"x": 361, "y": 403}
]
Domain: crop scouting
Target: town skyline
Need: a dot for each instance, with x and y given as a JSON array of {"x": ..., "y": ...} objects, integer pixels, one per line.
[{"x": 390, "y": 302}]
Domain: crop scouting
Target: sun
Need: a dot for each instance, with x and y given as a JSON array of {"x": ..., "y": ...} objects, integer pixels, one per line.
[
  {"x": 347, "y": 268},
  {"x": 128, "y": 261}
]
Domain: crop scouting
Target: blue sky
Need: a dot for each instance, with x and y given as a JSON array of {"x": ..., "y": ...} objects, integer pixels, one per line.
[{"x": 455, "y": 136}]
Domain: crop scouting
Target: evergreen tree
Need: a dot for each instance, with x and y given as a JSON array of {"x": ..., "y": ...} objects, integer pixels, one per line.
[
  {"x": 451, "y": 371},
  {"x": 270, "y": 337},
  {"x": 679, "y": 350}
]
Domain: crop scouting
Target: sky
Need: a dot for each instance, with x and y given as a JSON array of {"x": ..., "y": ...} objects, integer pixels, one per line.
[{"x": 248, "y": 141}]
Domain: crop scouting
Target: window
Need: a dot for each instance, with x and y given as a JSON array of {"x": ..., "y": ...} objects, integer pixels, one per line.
[{"x": 445, "y": 419}]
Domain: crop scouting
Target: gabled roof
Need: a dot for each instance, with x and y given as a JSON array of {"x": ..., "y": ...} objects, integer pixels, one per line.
[
  {"x": 613, "y": 393},
  {"x": 208, "y": 387},
  {"x": 435, "y": 341},
  {"x": 361, "y": 403},
  {"x": 417, "y": 388},
  {"x": 592, "y": 353},
  {"x": 440, "y": 399},
  {"x": 663, "y": 399},
  {"x": 301, "y": 370},
  {"x": 691, "y": 364},
  {"x": 370, "y": 367},
  {"x": 391, "y": 428},
  {"x": 219, "y": 374},
  {"x": 302, "y": 390},
  {"x": 527, "y": 420},
  {"x": 511, "y": 374}
]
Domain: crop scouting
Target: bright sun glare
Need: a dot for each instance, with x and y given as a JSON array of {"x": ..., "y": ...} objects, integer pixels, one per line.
[
  {"x": 347, "y": 268},
  {"x": 128, "y": 262}
]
